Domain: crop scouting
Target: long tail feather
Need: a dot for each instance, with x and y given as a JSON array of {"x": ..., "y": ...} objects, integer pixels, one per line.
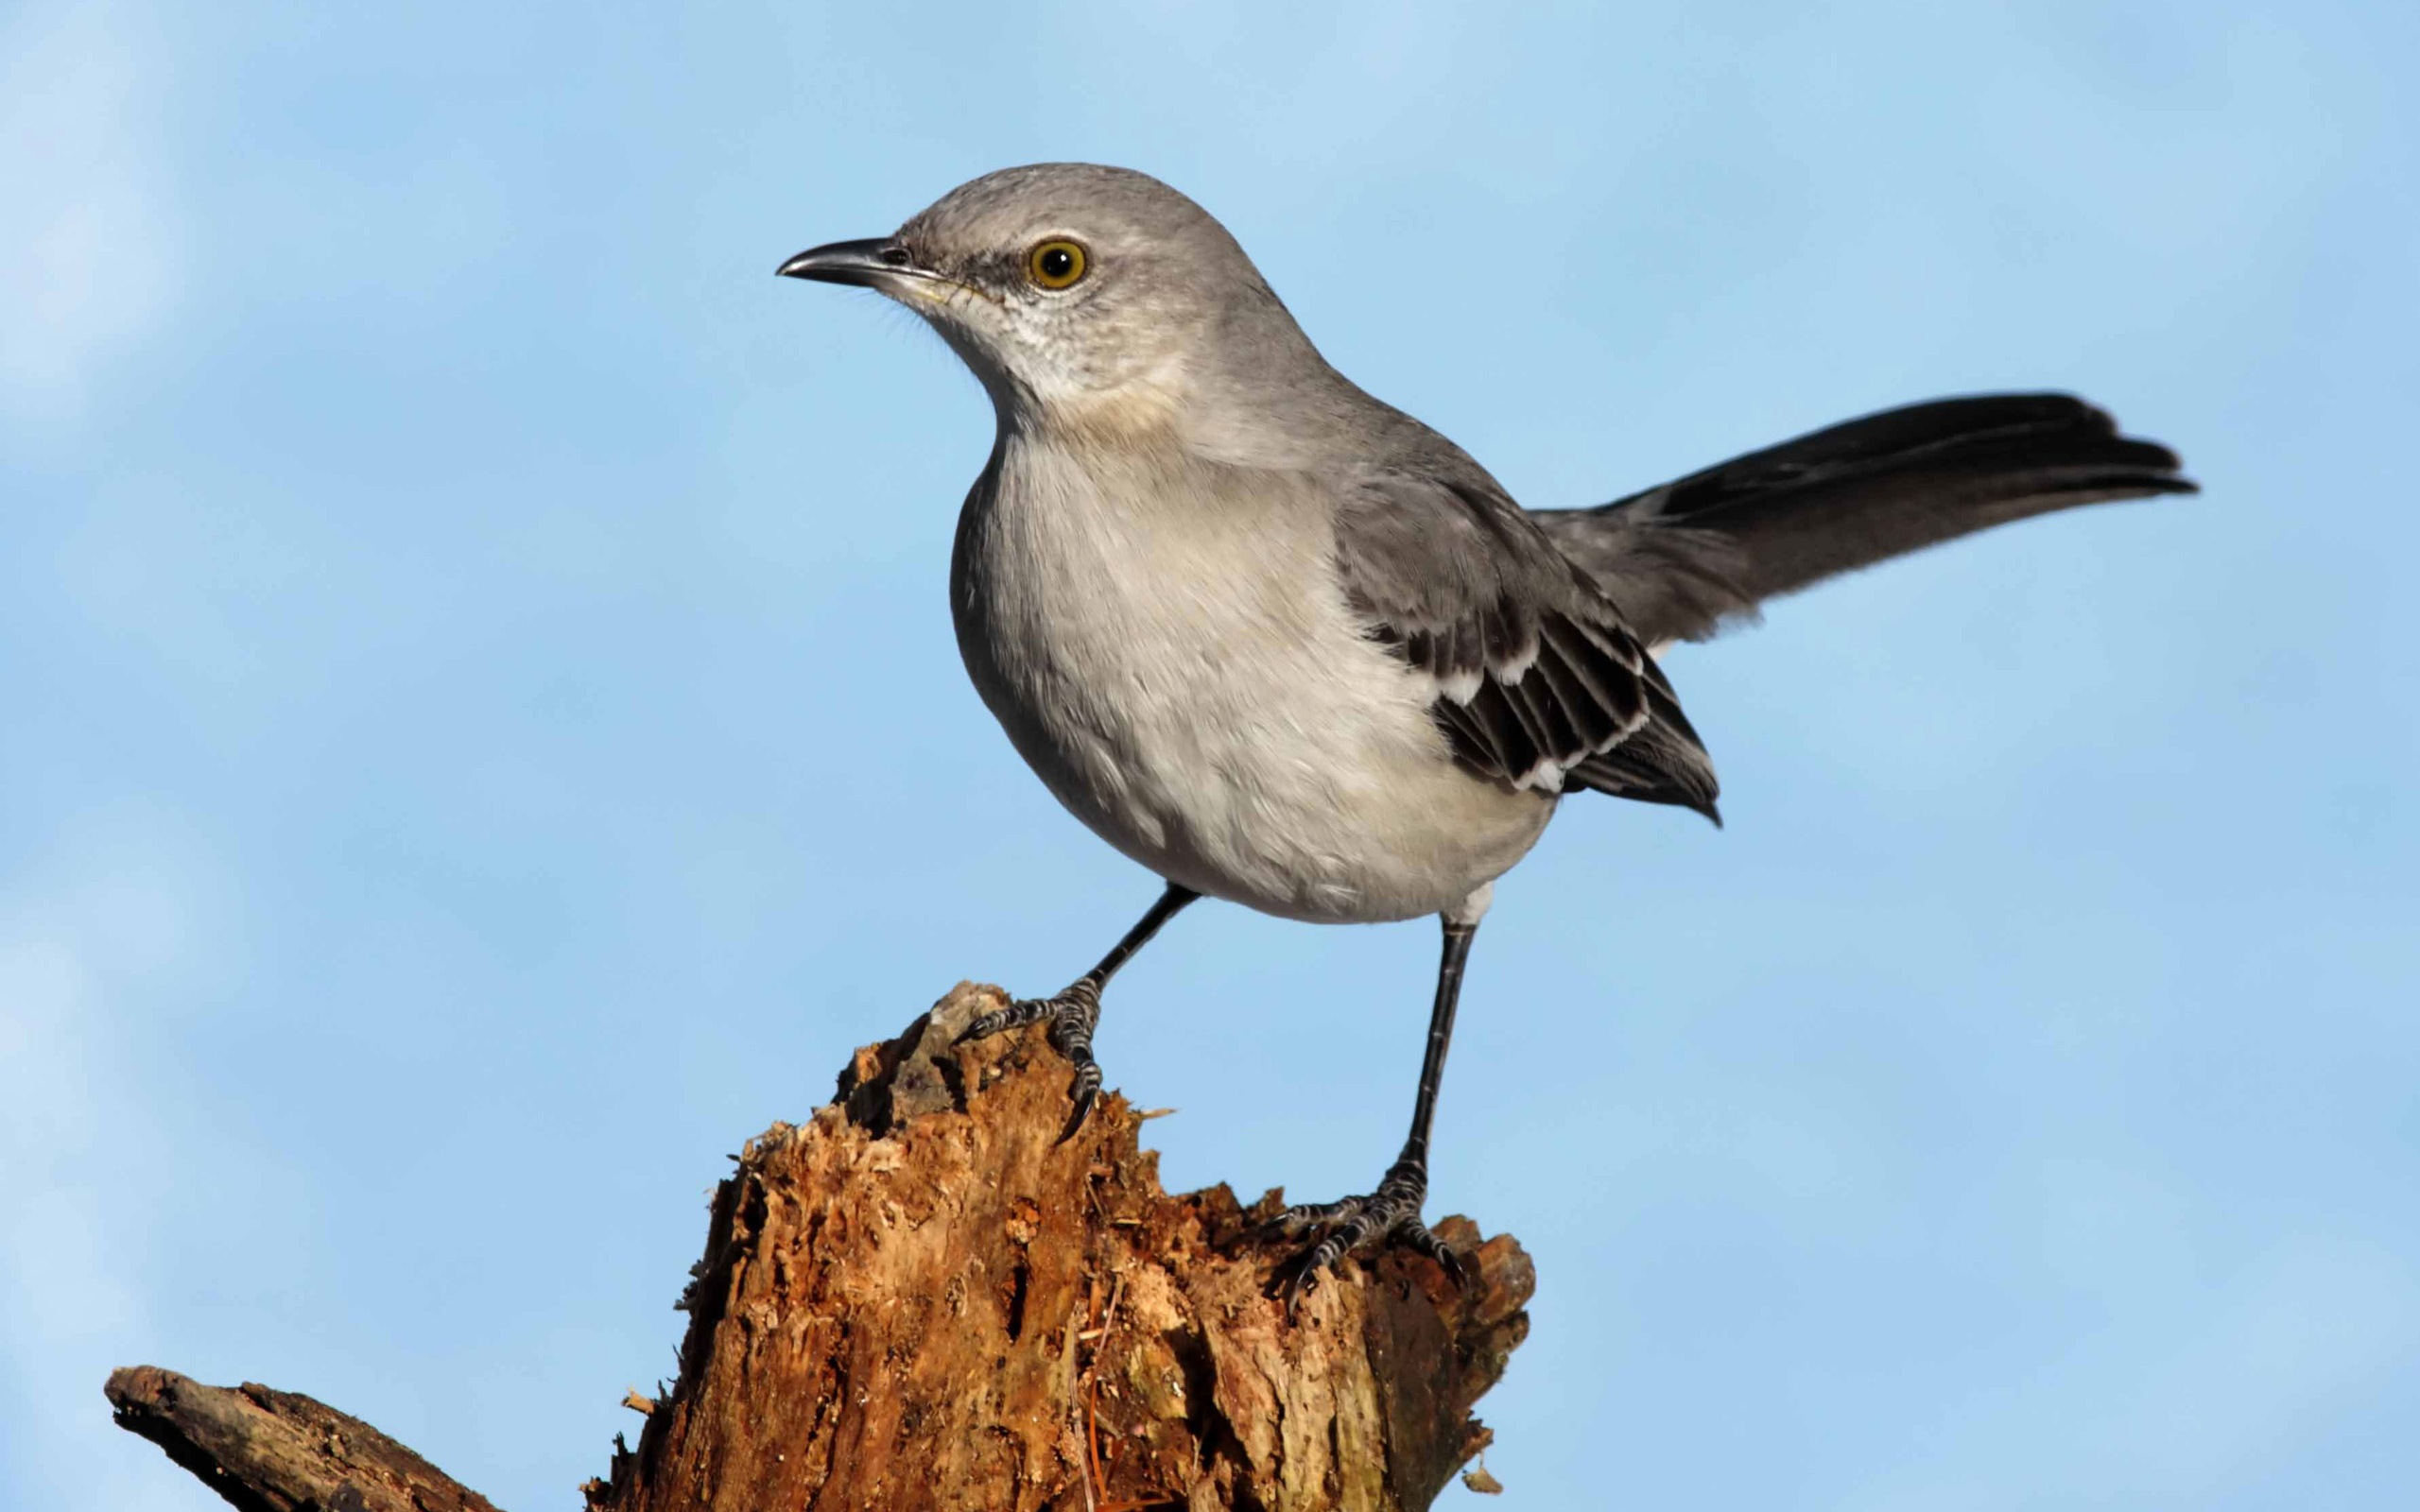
[{"x": 1681, "y": 560}]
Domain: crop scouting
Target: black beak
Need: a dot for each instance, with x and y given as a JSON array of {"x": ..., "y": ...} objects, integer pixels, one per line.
[{"x": 861, "y": 262}]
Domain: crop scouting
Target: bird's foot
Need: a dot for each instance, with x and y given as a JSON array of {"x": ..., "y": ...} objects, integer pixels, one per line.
[
  {"x": 1072, "y": 1015},
  {"x": 1390, "y": 1214}
]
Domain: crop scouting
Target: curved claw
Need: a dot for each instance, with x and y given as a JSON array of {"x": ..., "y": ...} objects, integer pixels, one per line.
[
  {"x": 1072, "y": 1015},
  {"x": 1086, "y": 1091},
  {"x": 1391, "y": 1215},
  {"x": 1299, "y": 1279},
  {"x": 1417, "y": 1236}
]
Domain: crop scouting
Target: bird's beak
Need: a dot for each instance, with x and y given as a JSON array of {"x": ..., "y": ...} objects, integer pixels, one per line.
[{"x": 862, "y": 263}]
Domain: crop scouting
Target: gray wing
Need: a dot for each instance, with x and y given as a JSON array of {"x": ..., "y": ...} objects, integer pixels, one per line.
[
  {"x": 1538, "y": 682},
  {"x": 1682, "y": 559}
]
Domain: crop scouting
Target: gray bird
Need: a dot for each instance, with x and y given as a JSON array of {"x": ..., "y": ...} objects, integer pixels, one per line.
[{"x": 1286, "y": 645}]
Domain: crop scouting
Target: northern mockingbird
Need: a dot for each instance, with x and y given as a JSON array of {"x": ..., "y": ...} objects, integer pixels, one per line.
[{"x": 1286, "y": 645}]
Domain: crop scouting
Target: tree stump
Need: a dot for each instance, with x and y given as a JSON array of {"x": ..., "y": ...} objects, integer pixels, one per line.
[{"x": 924, "y": 1299}]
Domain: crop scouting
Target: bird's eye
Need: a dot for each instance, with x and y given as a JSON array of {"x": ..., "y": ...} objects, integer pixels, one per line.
[{"x": 1055, "y": 264}]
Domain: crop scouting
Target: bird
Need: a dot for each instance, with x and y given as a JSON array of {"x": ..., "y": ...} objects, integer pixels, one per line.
[{"x": 1286, "y": 646}]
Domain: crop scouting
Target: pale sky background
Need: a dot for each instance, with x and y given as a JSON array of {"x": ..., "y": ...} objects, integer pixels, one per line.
[{"x": 480, "y": 734}]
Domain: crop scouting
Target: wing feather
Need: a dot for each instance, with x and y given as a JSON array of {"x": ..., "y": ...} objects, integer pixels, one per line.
[{"x": 1537, "y": 682}]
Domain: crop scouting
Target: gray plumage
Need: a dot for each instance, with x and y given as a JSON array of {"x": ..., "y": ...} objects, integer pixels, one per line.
[{"x": 1286, "y": 645}]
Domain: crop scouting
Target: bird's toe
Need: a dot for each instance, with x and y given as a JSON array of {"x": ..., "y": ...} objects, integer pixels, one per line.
[
  {"x": 1390, "y": 1215},
  {"x": 1072, "y": 1015}
]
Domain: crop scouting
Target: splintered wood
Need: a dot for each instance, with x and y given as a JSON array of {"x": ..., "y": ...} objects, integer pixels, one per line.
[{"x": 921, "y": 1299}]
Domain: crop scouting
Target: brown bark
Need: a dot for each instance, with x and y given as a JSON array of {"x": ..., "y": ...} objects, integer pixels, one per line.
[
  {"x": 275, "y": 1451},
  {"x": 922, "y": 1298}
]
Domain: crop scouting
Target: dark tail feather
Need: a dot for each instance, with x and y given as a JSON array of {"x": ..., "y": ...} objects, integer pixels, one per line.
[{"x": 1680, "y": 560}]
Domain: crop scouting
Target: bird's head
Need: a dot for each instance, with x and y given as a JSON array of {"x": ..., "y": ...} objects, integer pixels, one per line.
[{"x": 1074, "y": 291}]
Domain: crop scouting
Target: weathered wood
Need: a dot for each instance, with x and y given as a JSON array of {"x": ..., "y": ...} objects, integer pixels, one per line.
[
  {"x": 948, "y": 1308},
  {"x": 924, "y": 1299},
  {"x": 268, "y": 1450}
]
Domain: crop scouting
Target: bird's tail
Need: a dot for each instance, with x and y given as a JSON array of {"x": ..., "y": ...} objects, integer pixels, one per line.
[{"x": 1681, "y": 560}]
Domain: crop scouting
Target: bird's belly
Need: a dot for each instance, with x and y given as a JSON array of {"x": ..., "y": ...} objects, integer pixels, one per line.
[
  {"x": 1262, "y": 799},
  {"x": 1237, "y": 734}
]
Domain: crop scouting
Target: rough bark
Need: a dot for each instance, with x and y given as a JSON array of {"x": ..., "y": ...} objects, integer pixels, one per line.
[
  {"x": 276, "y": 1451},
  {"x": 924, "y": 1299}
]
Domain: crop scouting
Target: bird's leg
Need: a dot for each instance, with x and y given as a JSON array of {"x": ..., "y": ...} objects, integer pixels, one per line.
[
  {"x": 1392, "y": 1212},
  {"x": 1073, "y": 1012}
]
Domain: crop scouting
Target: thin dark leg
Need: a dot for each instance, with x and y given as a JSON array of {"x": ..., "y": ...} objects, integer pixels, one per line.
[
  {"x": 1392, "y": 1211},
  {"x": 1441, "y": 1039},
  {"x": 1075, "y": 1012}
]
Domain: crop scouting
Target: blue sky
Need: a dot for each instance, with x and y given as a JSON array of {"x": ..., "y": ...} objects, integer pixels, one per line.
[{"x": 482, "y": 734}]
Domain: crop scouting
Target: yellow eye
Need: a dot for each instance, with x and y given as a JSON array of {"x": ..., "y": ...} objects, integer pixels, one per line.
[{"x": 1055, "y": 264}]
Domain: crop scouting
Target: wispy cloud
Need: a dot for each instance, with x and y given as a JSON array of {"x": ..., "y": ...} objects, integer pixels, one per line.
[
  {"x": 90, "y": 258},
  {"x": 66, "y": 1292},
  {"x": 85, "y": 1157}
]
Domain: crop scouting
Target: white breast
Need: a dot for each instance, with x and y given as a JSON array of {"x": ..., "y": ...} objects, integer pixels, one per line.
[{"x": 1187, "y": 680}]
